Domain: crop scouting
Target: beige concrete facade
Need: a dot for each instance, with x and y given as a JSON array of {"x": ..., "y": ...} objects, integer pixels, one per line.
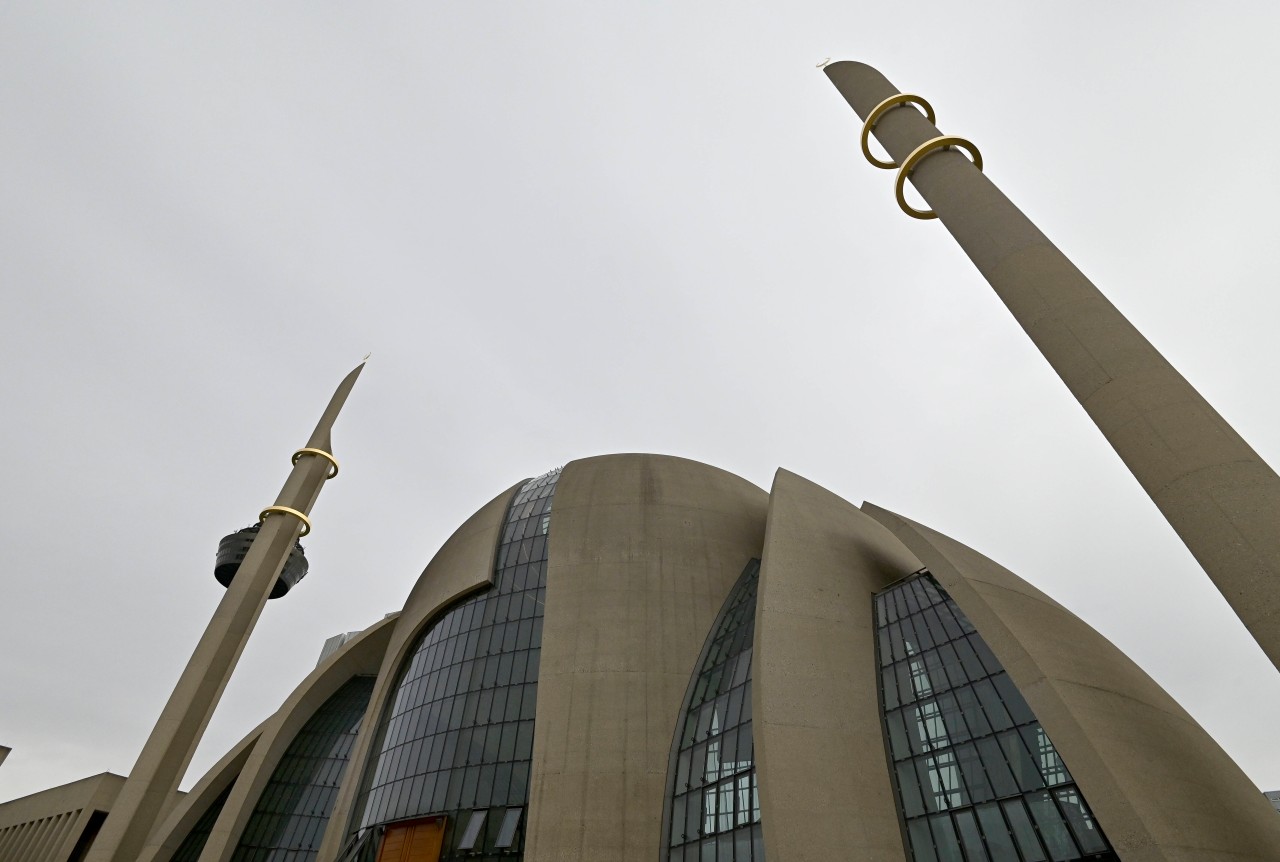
[
  {"x": 48, "y": 826},
  {"x": 644, "y": 549},
  {"x": 814, "y": 674},
  {"x": 1159, "y": 785},
  {"x": 1216, "y": 492},
  {"x": 184, "y": 815}
]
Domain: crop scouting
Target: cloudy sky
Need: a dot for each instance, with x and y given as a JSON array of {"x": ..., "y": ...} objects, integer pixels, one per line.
[{"x": 572, "y": 229}]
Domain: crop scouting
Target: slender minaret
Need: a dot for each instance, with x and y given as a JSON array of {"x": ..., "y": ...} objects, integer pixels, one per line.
[
  {"x": 147, "y": 794},
  {"x": 1218, "y": 495}
]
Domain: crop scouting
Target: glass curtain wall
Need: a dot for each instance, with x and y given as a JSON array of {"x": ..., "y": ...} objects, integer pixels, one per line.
[
  {"x": 457, "y": 737},
  {"x": 714, "y": 800},
  {"x": 977, "y": 777},
  {"x": 289, "y": 819}
]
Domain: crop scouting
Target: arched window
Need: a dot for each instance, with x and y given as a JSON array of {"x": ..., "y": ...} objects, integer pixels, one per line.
[
  {"x": 289, "y": 819},
  {"x": 977, "y": 777},
  {"x": 713, "y": 812},
  {"x": 457, "y": 738}
]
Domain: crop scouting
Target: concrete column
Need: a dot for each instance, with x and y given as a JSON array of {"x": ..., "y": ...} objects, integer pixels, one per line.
[
  {"x": 148, "y": 792},
  {"x": 825, "y": 791},
  {"x": 1217, "y": 494}
]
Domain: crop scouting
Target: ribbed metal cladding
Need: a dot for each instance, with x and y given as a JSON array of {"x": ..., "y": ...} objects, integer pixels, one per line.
[{"x": 457, "y": 736}]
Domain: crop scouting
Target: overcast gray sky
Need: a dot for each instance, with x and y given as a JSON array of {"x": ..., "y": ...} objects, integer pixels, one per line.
[{"x": 571, "y": 229}]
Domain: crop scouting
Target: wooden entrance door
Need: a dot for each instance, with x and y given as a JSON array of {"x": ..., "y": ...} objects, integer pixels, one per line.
[{"x": 417, "y": 840}]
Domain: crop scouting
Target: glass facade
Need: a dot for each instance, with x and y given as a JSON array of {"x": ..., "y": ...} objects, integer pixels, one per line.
[
  {"x": 289, "y": 819},
  {"x": 977, "y": 778},
  {"x": 714, "y": 801},
  {"x": 192, "y": 846},
  {"x": 457, "y": 737}
]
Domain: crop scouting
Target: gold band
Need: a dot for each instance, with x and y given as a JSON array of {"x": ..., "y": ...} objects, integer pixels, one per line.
[
  {"x": 917, "y": 155},
  {"x": 879, "y": 111},
  {"x": 333, "y": 462},
  {"x": 285, "y": 510}
]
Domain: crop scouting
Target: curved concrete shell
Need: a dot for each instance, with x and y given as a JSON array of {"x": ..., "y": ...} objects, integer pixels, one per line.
[
  {"x": 179, "y": 822},
  {"x": 463, "y": 565},
  {"x": 644, "y": 550},
  {"x": 1160, "y": 786},
  {"x": 359, "y": 657},
  {"x": 615, "y": 599},
  {"x": 816, "y": 707}
]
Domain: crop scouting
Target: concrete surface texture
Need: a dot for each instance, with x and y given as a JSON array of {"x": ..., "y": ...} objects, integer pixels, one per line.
[
  {"x": 46, "y": 826},
  {"x": 186, "y": 812},
  {"x": 644, "y": 549},
  {"x": 1216, "y": 492},
  {"x": 817, "y": 725},
  {"x": 361, "y": 656}
]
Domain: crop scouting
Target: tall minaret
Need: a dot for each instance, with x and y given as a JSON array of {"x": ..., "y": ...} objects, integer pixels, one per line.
[
  {"x": 1218, "y": 495},
  {"x": 147, "y": 793}
]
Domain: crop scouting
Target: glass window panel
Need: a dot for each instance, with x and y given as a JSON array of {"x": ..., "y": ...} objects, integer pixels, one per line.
[
  {"x": 295, "y": 804},
  {"x": 1083, "y": 826},
  {"x": 714, "y": 752},
  {"x": 971, "y": 709},
  {"x": 886, "y": 652},
  {"x": 969, "y": 756},
  {"x": 999, "y": 841},
  {"x": 1023, "y": 832},
  {"x": 1020, "y": 763},
  {"x": 1013, "y": 700},
  {"x": 889, "y": 687},
  {"x": 1045, "y": 755},
  {"x": 921, "y": 840},
  {"x": 975, "y": 777},
  {"x": 507, "y": 832},
  {"x": 945, "y": 842},
  {"x": 923, "y": 636},
  {"x": 899, "y": 746},
  {"x": 909, "y": 788},
  {"x": 1053, "y": 829},
  {"x": 997, "y": 769},
  {"x": 449, "y": 741},
  {"x": 472, "y": 831},
  {"x": 992, "y": 705},
  {"x": 970, "y": 837}
]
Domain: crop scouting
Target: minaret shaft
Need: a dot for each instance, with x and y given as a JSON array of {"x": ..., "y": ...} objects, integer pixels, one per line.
[
  {"x": 149, "y": 790},
  {"x": 1220, "y": 497}
]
